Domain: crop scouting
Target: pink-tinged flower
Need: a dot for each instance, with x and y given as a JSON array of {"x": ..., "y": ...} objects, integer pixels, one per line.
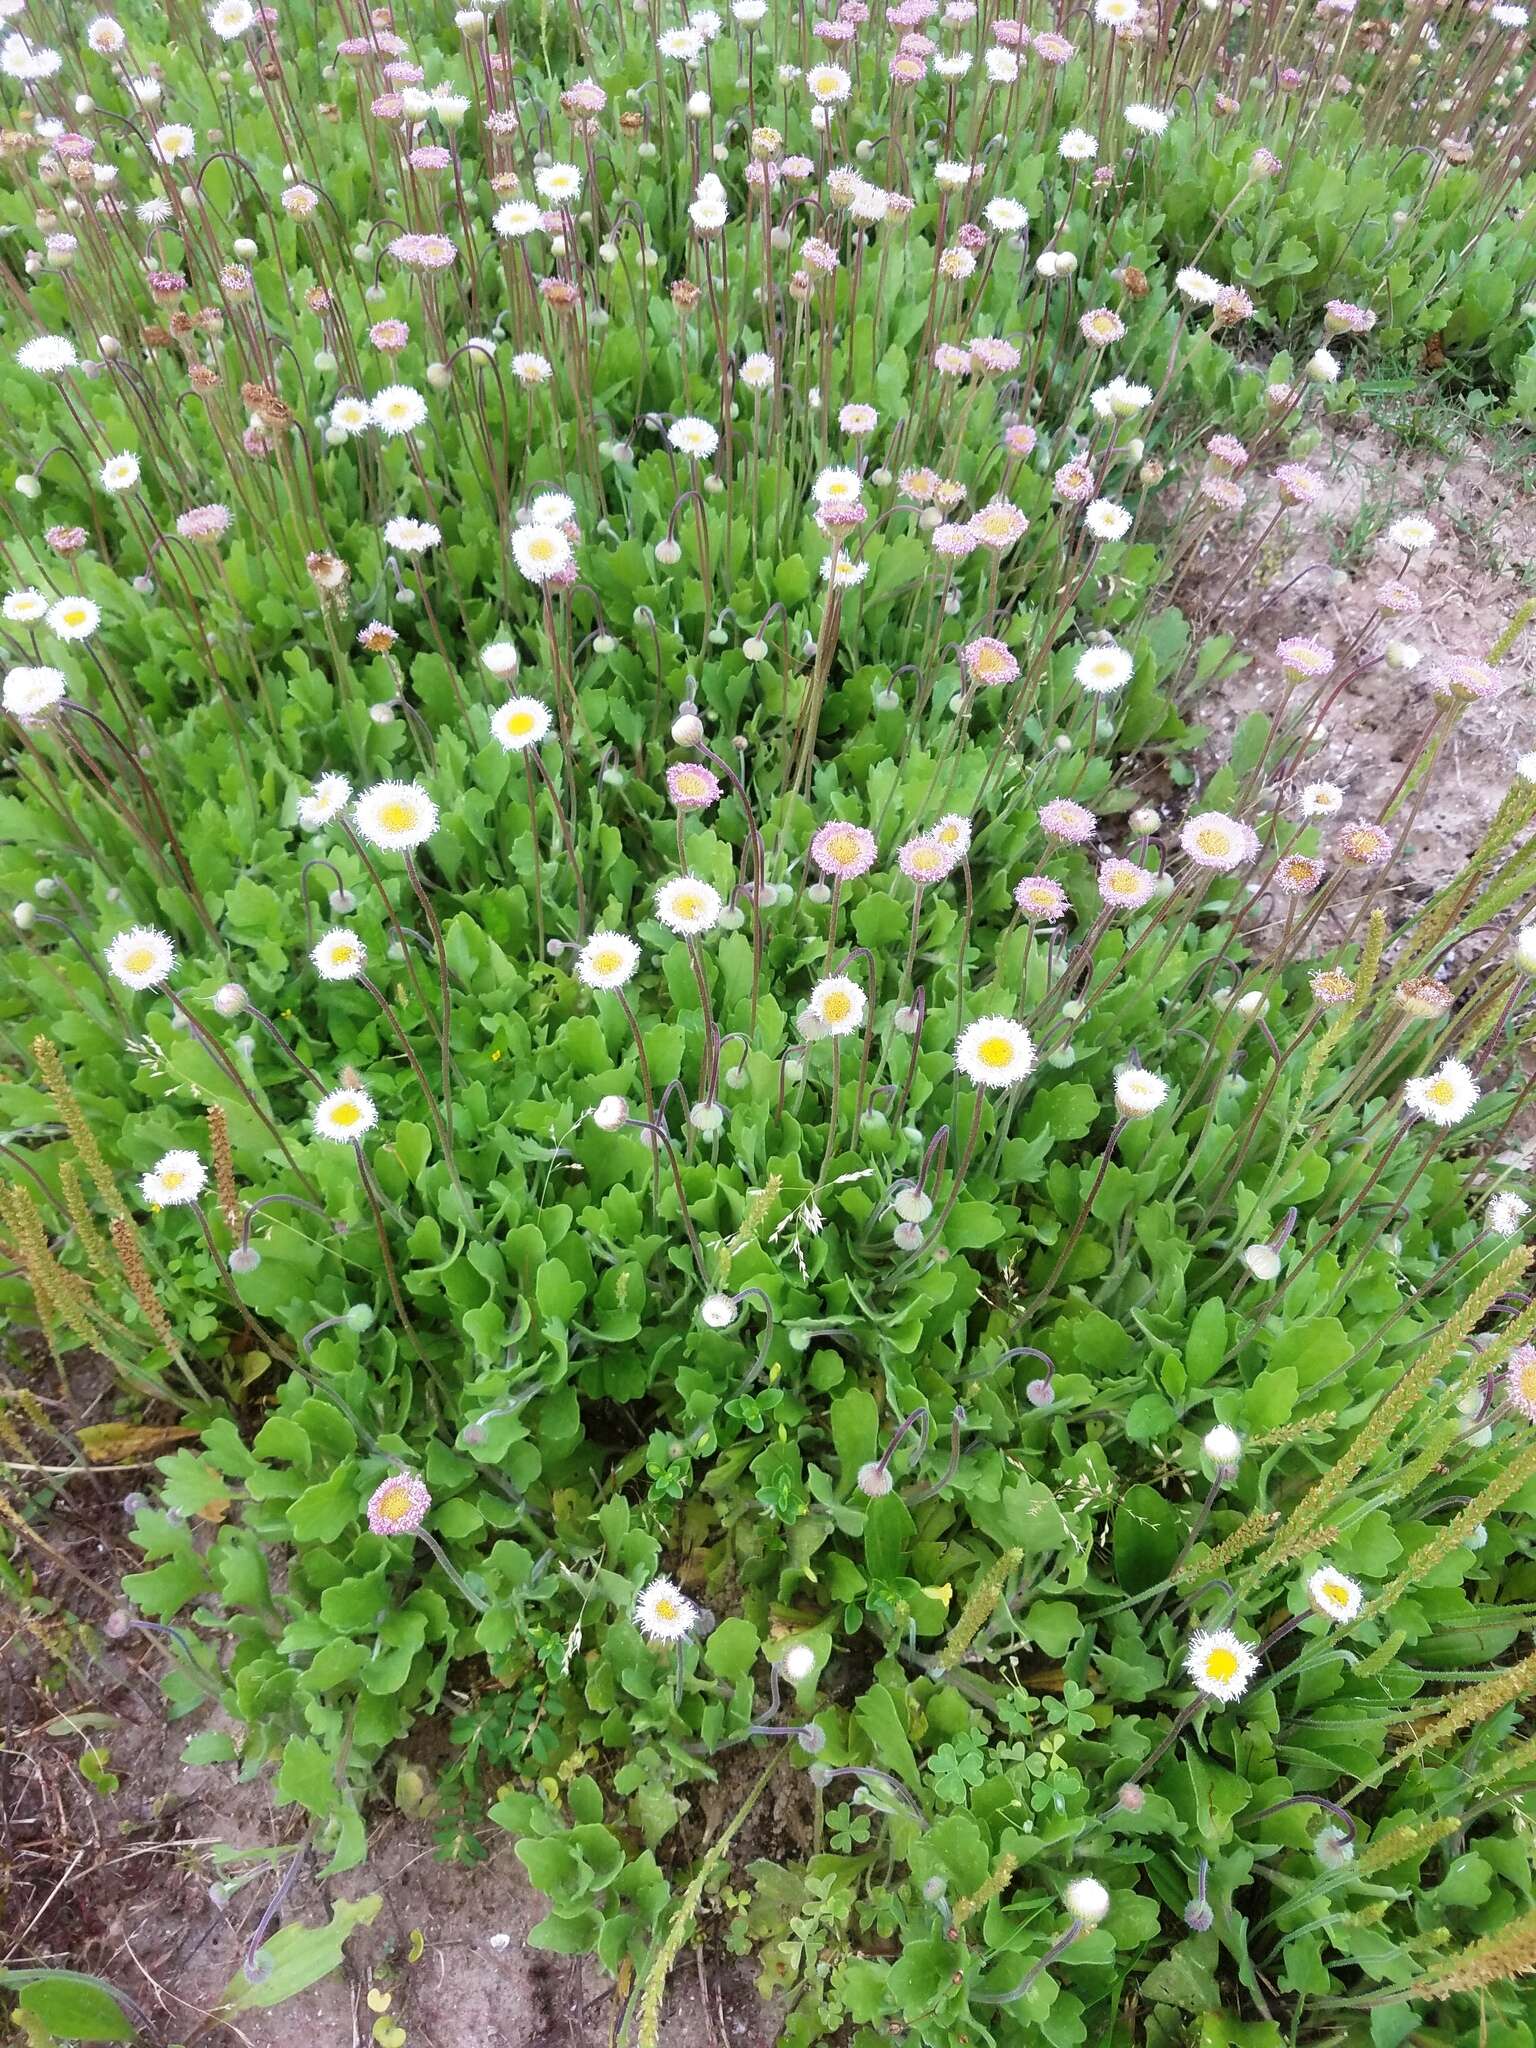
[
  {"x": 1124, "y": 886},
  {"x": 1400, "y": 598},
  {"x": 423, "y": 252},
  {"x": 1070, "y": 822},
  {"x": 950, "y": 360},
  {"x": 1053, "y": 49},
  {"x": 204, "y": 523},
  {"x": 1227, "y": 450},
  {"x": 67, "y": 541},
  {"x": 1298, "y": 484},
  {"x": 1020, "y": 438},
  {"x": 1344, "y": 318},
  {"x": 398, "y": 1506},
  {"x": 997, "y": 358},
  {"x": 1364, "y": 846},
  {"x": 1304, "y": 660},
  {"x": 1520, "y": 1381},
  {"x": 988, "y": 662},
  {"x": 925, "y": 859},
  {"x": 1040, "y": 899},
  {"x": 1213, "y": 840},
  {"x": 998, "y": 525},
  {"x": 692, "y": 787},
  {"x": 954, "y": 542},
  {"x": 843, "y": 851},
  {"x": 1466, "y": 681},
  {"x": 1101, "y": 326},
  {"x": 1223, "y": 493},
  {"x": 1297, "y": 875},
  {"x": 1073, "y": 483}
]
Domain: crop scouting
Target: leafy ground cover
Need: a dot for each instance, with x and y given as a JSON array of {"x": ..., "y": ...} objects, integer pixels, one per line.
[{"x": 705, "y": 1147}]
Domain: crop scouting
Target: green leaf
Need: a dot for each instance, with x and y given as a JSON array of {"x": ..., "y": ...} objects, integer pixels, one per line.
[
  {"x": 732, "y": 1649},
  {"x": 307, "y": 1776},
  {"x": 297, "y": 1956},
  {"x": 879, "y": 1715},
  {"x": 72, "y": 2007}
]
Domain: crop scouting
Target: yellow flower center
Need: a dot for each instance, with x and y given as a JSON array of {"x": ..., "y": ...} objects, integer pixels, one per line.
[
  {"x": 665, "y": 1609},
  {"x": 843, "y": 846},
  {"x": 926, "y": 861},
  {"x": 1211, "y": 839},
  {"x": 346, "y": 1114},
  {"x": 519, "y": 723},
  {"x": 1220, "y": 1665},
  {"x": 837, "y": 1006},
  {"x": 139, "y": 961},
  {"x": 1335, "y": 1594},
  {"x": 607, "y": 961},
  {"x": 995, "y": 1052},
  {"x": 542, "y": 548},
  {"x": 397, "y": 816},
  {"x": 1440, "y": 1092},
  {"x": 173, "y": 1178},
  {"x": 74, "y": 616},
  {"x": 394, "y": 1503},
  {"x": 687, "y": 904},
  {"x": 1526, "y": 1379}
]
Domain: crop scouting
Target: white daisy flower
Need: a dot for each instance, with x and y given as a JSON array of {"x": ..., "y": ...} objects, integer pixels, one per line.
[
  {"x": 1506, "y": 1212},
  {"x": 411, "y": 536},
  {"x": 1321, "y": 800},
  {"x": 1413, "y": 534},
  {"x": 1335, "y": 1597},
  {"x": 520, "y": 723},
  {"x": 541, "y": 552},
  {"x": 607, "y": 960},
  {"x": 1085, "y": 1898},
  {"x": 325, "y": 802},
  {"x": 517, "y": 218},
  {"x": 1220, "y": 1664},
  {"x": 1223, "y": 1446},
  {"x": 178, "y": 1179},
  {"x": 1077, "y": 146},
  {"x": 1103, "y": 669},
  {"x": 339, "y": 956},
  {"x": 24, "y": 607},
  {"x": 48, "y": 355},
  {"x": 688, "y": 906},
  {"x": 28, "y": 693},
  {"x": 119, "y": 473},
  {"x": 395, "y": 815},
  {"x": 396, "y": 410},
  {"x": 1197, "y": 286},
  {"x": 1446, "y": 1096},
  {"x": 230, "y": 19},
  {"x": 1138, "y": 1093},
  {"x": 560, "y": 184},
  {"x": 74, "y": 618},
  {"x": 693, "y": 437},
  {"x": 174, "y": 143},
  {"x": 838, "y": 1005},
  {"x": 552, "y": 508},
  {"x": 141, "y": 957},
  {"x": 663, "y": 1614},
  {"x": 1007, "y": 216},
  {"x": 345, "y": 1115},
  {"x": 1106, "y": 520},
  {"x": 994, "y": 1052}
]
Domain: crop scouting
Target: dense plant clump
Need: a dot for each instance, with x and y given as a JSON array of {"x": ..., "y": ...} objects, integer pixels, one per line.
[{"x": 633, "y": 1021}]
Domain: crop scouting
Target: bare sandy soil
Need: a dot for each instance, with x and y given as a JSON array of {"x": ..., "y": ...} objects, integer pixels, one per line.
[{"x": 1318, "y": 573}]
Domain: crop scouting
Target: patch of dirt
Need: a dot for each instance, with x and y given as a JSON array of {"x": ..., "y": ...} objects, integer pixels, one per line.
[
  {"x": 125, "y": 1883},
  {"x": 1318, "y": 573}
]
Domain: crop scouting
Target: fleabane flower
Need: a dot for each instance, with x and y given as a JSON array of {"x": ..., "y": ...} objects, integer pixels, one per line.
[
  {"x": 326, "y": 801},
  {"x": 1101, "y": 670},
  {"x": 694, "y": 438},
  {"x": 1220, "y": 1664},
  {"x": 119, "y": 473},
  {"x": 74, "y": 618},
  {"x": 520, "y": 723},
  {"x": 397, "y": 410},
  {"x": 47, "y": 355},
  {"x": 1086, "y": 1899},
  {"x": 1125, "y": 886},
  {"x": 1506, "y": 1212},
  {"x": 339, "y": 955},
  {"x": 29, "y": 693},
  {"x": 1336, "y": 1597},
  {"x": 141, "y": 957},
  {"x": 1213, "y": 840},
  {"x": 1520, "y": 1381},
  {"x": 1445, "y": 1097},
  {"x": 345, "y": 1115},
  {"x": 994, "y": 1052},
  {"x": 175, "y": 1181},
  {"x": 663, "y": 1614},
  {"x": 395, "y": 815},
  {"x": 687, "y": 906},
  {"x": 1106, "y": 520},
  {"x": 398, "y": 1506},
  {"x": 1412, "y": 534},
  {"x": 1138, "y": 1093},
  {"x": 1041, "y": 900},
  {"x": 541, "y": 552},
  {"x": 924, "y": 860},
  {"x": 843, "y": 852},
  {"x": 838, "y": 1005},
  {"x": 607, "y": 960}
]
